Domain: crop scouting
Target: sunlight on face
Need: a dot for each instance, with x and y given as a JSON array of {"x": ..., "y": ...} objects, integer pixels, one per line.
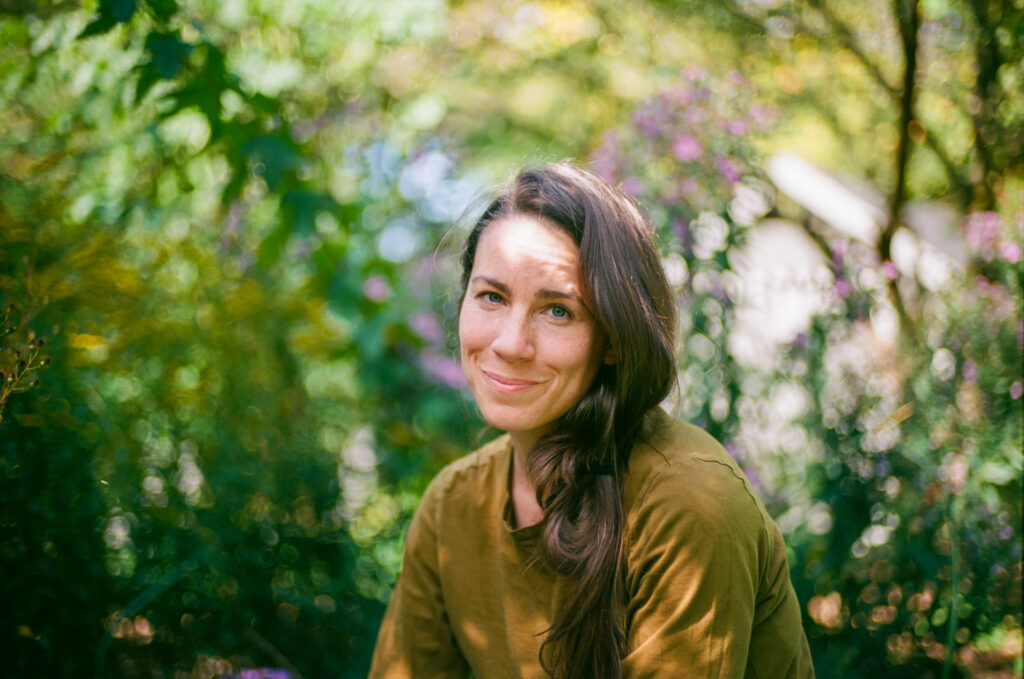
[{"x": 529, "y": 345}]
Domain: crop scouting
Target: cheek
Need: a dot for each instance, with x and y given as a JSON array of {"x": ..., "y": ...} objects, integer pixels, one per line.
[
  {"x": 471, "y": 331},
  {"x": 578, "y": 354}
]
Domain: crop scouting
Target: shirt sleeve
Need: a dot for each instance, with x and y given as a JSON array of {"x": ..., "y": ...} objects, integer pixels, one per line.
[
  {"x": 696, "y": 539},
  {"x": 415, "y": 639}
]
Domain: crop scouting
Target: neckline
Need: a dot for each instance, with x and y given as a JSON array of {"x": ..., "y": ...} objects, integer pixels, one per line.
[{"x": 508, "y": 516}]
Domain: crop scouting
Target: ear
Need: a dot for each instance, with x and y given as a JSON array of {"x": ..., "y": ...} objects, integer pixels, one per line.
[{"x": 609, "y": 356}]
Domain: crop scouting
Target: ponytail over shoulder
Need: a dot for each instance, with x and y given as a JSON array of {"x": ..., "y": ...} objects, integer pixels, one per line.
[{"x": 578, "y": 466}]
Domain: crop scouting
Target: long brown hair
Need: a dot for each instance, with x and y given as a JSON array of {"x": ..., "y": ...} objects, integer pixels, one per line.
[{"x": 577, "y": 467}]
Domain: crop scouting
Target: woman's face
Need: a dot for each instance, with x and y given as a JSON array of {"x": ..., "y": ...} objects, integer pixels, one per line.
[{"x": 529, "y": 345}]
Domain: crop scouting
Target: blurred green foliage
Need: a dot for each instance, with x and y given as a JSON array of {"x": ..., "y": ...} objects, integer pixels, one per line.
[{"x": 231, "y": 226}]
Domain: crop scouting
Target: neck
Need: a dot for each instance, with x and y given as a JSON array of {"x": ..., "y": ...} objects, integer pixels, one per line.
[
  {"x": 522, "y": 444},
  {"x": 523, "y": 490}
]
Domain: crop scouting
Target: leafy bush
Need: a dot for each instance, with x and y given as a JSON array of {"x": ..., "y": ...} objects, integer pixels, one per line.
[{"x": 897, "y": 473}]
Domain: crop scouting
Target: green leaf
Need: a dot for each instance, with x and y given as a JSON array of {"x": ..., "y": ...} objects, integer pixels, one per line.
[
  {"x": 302, "y": 207},
  {"x": 147, "y": 78},
  {"x": 168, "y": 53},
  {"x": 273, "y": 245},
  {"x": 196, "y": 94},
  {"x": 98, "y": 26},
  {"x": 121, "y": 10},
  {"x": 275, "y": 157},
  {"x": 112, "y": 12},
  {"x": 163, "y": 9}
]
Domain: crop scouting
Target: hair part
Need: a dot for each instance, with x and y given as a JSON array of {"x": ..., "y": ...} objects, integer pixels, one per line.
[{"x": 627, "y": 291}]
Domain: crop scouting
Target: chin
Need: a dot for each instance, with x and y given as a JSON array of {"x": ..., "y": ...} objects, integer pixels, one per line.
[
  {"x": 501, "y": 418},
  {"x": 515, "y": 420},
  {"x": 504, "y": 423}
]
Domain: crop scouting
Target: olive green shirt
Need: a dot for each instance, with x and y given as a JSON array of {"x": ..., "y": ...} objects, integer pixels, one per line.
[{"x": 708, "y": 592}]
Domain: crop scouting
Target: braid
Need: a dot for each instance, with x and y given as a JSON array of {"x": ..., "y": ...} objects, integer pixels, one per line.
[{"x": 582, "y": 538}]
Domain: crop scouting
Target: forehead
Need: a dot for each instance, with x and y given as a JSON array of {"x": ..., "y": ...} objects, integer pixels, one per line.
[{"x": 527, "y": 246}]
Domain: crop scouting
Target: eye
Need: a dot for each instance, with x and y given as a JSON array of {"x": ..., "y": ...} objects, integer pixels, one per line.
[
  {"x": 491, "y": 297},
  {"x": 559, "y": 311}
]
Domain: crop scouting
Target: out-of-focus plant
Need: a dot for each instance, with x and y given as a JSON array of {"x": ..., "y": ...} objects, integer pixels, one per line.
[
  {"x": 919, "y": 477},
  {"x": 933, "y": 86},
  {"x": 900, "y": 459},
  {"x": 20, "y": 357},
  {"x": 234, "y": 210},
  {"x": 247, "y": 365},
  {"x": 896, "y": 470},
  {"x": 686, "y": 148},
  {"x": 687, "y": 157}
]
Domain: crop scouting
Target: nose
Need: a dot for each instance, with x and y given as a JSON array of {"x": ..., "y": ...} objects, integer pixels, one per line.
[{"x": 514, "y": 339}]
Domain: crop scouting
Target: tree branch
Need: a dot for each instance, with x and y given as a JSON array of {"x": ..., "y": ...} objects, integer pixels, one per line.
[
  {"x": 908, "y": 17},
  {"x": 986, "y": 85},
  {"x": 839, "y": 31},
  {"x": 848, "y": 42}
]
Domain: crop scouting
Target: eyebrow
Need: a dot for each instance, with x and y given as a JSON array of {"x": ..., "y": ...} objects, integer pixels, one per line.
[{"x": 543, "y": 294}]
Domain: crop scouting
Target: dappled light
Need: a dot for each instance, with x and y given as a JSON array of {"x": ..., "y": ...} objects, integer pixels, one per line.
[{"x": 229, "y": 240}]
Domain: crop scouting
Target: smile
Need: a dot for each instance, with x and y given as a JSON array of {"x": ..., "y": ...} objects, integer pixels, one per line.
[{"x": 508, "y": 385}]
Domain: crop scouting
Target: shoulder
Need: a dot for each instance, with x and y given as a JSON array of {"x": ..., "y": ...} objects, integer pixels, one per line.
[
  {"x": 461, "y": 490},
  {"x": 472, "y": 477},
  {"x": 679, "y": 473},
  {"x": 691, "y": 514}
]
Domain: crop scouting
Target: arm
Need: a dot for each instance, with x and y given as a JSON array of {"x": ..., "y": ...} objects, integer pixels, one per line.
[
  {"x": 696, "y": 542},
  {"x": 415, "y": 639}
]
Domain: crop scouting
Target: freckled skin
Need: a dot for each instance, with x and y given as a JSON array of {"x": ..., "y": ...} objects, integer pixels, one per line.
[{"x": 529, "y": 345}]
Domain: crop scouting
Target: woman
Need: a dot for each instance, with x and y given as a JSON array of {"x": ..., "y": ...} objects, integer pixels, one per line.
[{"x": 598, "y": 538}]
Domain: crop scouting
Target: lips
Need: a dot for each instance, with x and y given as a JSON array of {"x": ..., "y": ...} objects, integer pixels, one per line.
[{"x": 505, "y": 384}]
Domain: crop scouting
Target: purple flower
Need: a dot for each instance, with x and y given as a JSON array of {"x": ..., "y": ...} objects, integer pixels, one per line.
[
  {"x": 681, "y": 227},
  {"x": 376, "y": 289},
  {"x": 632, "y": 186},
  {"x": 648, "y": 123},
  {"x": 1009, "y": 251},
  {"x": 890, "y": 271},
  {"x": 734, "y": 450},
  {"x": 604, "y": 159},
  {"x": 728, "y": 169},
  {"x": 693, "y": 72},
  {"x": 761, "y": 115},
  {"x": 737, "y": 128},
  {"x": 982, "y": 231},
  {"x": 842, "y": 287},
  {"x": 610, "y": 139},
  {"x": 1016, "y": 390},
  {"x": 427, "y": 326},
  {"x": 838, "y": 255},
  {"x": 970, "y": 372},
  {"x": 687, "y": 148},
  {"x": 756, "y": 482},
  {"x": 262, "y": 673},
  {"x": 689, "y": 187},
  {"x": 679, "y": 95},
  {"x": 443, "y": 368},
  {"x": 693, "y": 116},
  {"x": 424, "y": 271}
]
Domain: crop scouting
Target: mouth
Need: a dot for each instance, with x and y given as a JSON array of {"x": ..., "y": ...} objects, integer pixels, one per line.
[{"x": 509, "y": 385}]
